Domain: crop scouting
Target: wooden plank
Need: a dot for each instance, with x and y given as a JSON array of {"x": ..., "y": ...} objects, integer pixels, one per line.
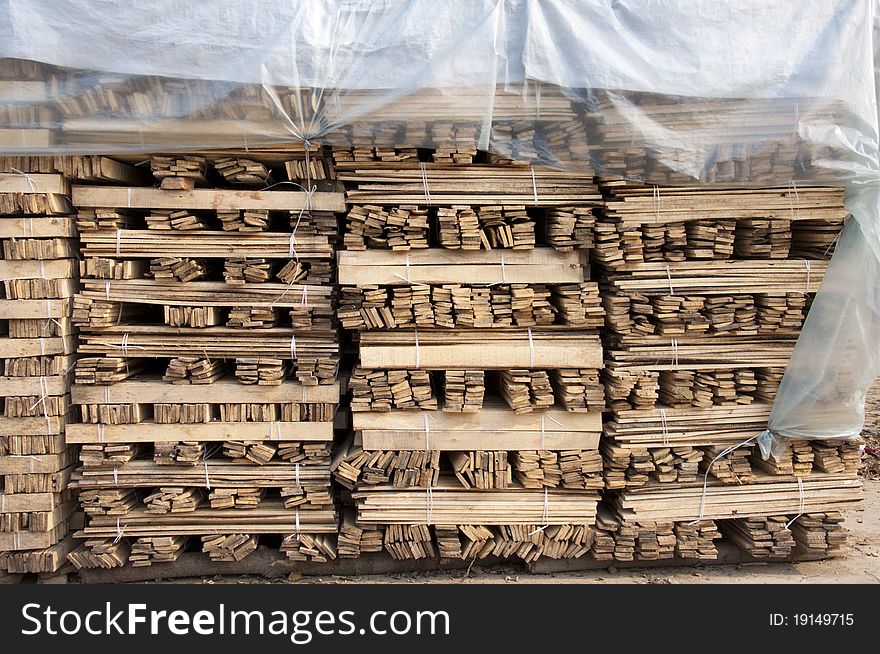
[
  {"x": 154, "y": 390},
  {"x": 53, "y": 269},
  {"x": 148, "y": 432},
  {"x": 441, "y": 266},
  {"x": 12, "y": 139},
  {"x": 489, "y": 349},
  {"x": 33, "y": 426},
  {"x": 21, "y": 464},
  {"x": 34, "y": 309},
  {"x": 38, "y": 227},
  {"x": 52, "y": 385},
  {"x": 488, "y": 439},
  {"x": 24, "y": 91},
  {"x": 34, "y": 183},
  {"x": 35, "y": 347},
  {"x": 120, "y": 197}
]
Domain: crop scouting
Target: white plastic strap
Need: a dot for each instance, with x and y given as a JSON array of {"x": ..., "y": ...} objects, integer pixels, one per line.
[
  {"x": 297, "y": 523},
  {"x": 503, "y": 272},
  {"x": 119, "y": 239},
  {"x": 669, "y": 278},
  {"x": 656, "y": 202},
  {"x": 32, "y": 188},
  {"x": 542, "y": 431},
  {"x": 664, "y": 425},
  {"x": 291, "y": 245},
  {"x": 427, "y": 190},
  {"x": 531, "y": 349},
  {"x": 427, "y": 432},
  {"x": 674, "y": 351},
  {"x": 107, "y": 289},
  {"x": 119, "y": 532},
  {"x": 534, "y": 183},
  {"x": 429, "y": 504},
  {"x": 42, "y": 346},
  {"x": 720, "y": 455},
  {"x": 207, "y": 477},
  {"x": 308, "y": 147},
  {"x": 418, "y": 355},
  {"x": 293, "y": 346},
  {"x": 545, "y": 515},
  {"x": 49, "y": 313},
  {"x": 800, "y": 483},
  {"x": 100, "y": 432},
  {"x": 2, "y": 502},
  {"x": 406, "y": 261},
  {"x": 304, "y": 296},
  {"x": 129, "y": 197},
  {"x": 116, "y": 475},
  {"x": 106, "y": 395},
  {"x": 297, "y": 474}
]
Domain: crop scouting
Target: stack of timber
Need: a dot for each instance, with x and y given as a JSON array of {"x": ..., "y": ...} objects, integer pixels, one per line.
[
  {"x": 37, "y": 345},
  {"x": 477, "y": 384},
  {"x": 207, "y": 386},
  {"x": 705, "y": 291}
]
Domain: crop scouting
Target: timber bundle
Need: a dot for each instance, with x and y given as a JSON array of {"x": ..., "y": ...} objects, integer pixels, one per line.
[{"x": 337, "y": 352}]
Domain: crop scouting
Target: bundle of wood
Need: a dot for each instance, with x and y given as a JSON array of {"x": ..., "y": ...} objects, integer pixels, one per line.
[
  {"x": 401, "y": 468},
  {"x": 241, "y": 171},
  {"x": 457, "y": 305},
  {"x": 797, "y": 460},
  {"x": 409, "y": 541},
  {"x": 246, "y": 220},
  {"x": 668, "y": 315},
  {"x": 21, "y": 406},
  {"x": 463, "y": 390},
  {"x": 819, "y": 533},
  {"x": 484, "y": 470},
  {"x": 355, "y": 539},
  {"x": 404, "y": 227},
  {"x": 176, "y": 219},
  {"x": 261, "y": 371},
  {"x": 109, "y": 455},
  {"x": 148, "y": 550},
  {"x": 526, "y": 390},
  {"x": 173, "y": 499},
  {"x": 836, "y": 456},
  {"x": 88, "y": 312},
  {"x": 99, "y": 218},
  {"x": 761, "y": 537},
  {"x": 231, "y": 498},
  {"x": 112, "y": 414},
  {"x": 194, "y": 370},
  {"x": 231, "y": 547},
  {"x": 107, "y": 268},
  {"x": 252, "y": 317},
  {"x": 318, "y": 548},
  {"x": 179, "y": 172},
  {"x": 696, "y": 540},
  {"x": 38, "y": 249},
  {"x": 182, "y": 414},
  {"x": 242, "y": 271},
  {"x": 181, "y": 269},
  {"x": 629, "y": 467},
  {"x": 187, "y": 453},
  {"x": 383, "y": 390},
  {"x": 108, "y": 501},
  {"x": 573, "y": 469},
  {"x": 570, "y": 228},
  {"x": 191, "y": 316},
  {"x": 256, "y": 451},
  {"x": 105, "y": 553}
]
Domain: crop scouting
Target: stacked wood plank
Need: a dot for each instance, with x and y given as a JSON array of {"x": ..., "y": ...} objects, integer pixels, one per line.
[
  {"x": 38, "y": 269},
  {"x": 703, "y": 303},
  {"x": 466, "y": 290},
  {"x": 209, "y": 385}
]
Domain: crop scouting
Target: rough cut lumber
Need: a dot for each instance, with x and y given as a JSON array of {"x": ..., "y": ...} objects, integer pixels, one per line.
[
  {"x": 495, "y": 349},
  {"x": 116, "y": 197},
  {"x": 215, "y": 431},
  {"x": 441, "y": 266}
]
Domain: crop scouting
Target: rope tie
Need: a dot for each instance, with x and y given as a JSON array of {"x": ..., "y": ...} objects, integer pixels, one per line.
[
  {"x": 427, "y": 190},
  {"x": 721, "y": 454},
  {"x": 429, "y": 504},
  {"x": 207, "y": 477},
  {"x": 800, "y": 483},
  {"x": 674, "y": 351},
  {"x": 531, "y": 349},
  {"x": 545, "y": 515},
  {"x": 50, "y": 319}
]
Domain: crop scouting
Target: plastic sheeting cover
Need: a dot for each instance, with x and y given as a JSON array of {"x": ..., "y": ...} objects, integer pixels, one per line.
[{"x": 666, "y": 91}]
